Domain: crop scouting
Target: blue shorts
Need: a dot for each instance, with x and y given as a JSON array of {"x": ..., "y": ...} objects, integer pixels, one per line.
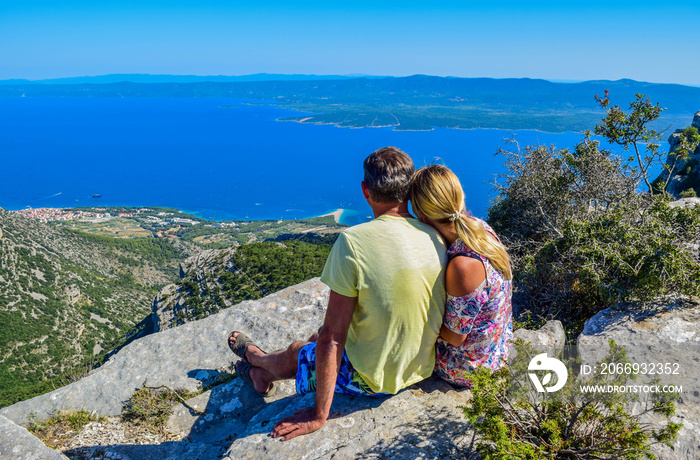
[{"x": 349, "y": 381}]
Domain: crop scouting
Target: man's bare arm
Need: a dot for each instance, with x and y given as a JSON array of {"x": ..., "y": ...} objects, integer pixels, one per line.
[{"x": 329, "y": 352}]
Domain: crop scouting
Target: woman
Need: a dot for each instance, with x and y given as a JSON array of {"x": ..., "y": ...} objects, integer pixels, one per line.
[{"x": 478, "y": 316}]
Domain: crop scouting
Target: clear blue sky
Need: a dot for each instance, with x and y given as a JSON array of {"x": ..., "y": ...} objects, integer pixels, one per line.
[{"x": 555, "y": 40}]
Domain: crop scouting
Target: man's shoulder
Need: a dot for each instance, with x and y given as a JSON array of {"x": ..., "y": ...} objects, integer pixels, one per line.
[
  {"x": 412, "y": 228},
  {"x": 381, "y": 223},
  {"x": 359, "y": 230}
]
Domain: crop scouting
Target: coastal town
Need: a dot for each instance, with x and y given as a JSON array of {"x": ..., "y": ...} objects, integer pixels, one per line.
[
  {"x": 154, "y": 222},
  {"x": 52, "y": 214},
  {"x": 96, "y": 215}
]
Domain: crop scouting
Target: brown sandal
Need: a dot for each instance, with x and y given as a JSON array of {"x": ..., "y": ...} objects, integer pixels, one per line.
[
  {"x": 240, "y": 346},
  {"x": 243, "y": 368}
]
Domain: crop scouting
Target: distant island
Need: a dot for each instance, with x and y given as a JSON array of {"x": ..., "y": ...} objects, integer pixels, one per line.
[{"x": 419, "y": 102}]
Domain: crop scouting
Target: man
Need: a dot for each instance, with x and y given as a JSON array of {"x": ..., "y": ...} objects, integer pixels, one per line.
[{"x": 384, "y": 313}]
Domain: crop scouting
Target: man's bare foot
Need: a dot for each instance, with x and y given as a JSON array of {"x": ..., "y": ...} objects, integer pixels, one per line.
[
  {"x": 259, "y": 379},
  {"x": 251, "y": 351}
]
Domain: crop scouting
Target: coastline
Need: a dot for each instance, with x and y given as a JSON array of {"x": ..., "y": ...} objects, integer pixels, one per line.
[
  {"x": 309, "y": 121},
  {"x": 336, "y": 214}
]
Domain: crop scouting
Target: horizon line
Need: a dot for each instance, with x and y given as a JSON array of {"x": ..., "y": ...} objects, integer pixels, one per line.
[{"x": 309, "y": 77}]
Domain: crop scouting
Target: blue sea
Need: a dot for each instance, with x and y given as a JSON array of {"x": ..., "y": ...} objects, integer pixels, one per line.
[{"x": 218, "y": 158}]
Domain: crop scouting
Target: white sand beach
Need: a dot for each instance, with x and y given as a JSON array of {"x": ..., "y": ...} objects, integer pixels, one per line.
[{"x": 336, "y": 214}]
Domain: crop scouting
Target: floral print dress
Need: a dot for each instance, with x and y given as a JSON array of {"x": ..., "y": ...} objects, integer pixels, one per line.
[{"x": 484, "y": 316}]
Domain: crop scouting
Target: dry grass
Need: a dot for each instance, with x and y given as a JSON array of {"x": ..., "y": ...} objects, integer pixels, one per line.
[{"x": 61, "y": 427}]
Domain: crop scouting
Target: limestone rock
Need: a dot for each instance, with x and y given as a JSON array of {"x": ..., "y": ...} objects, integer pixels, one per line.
[
  {"x": 206, "y": 261},
  {"x": 685, "y": 203},
  {"x": 420, "y": 422},
  {"x": 187, "y": 357},
  {"x": 423, "y": 421},
  {"x": 16, "y": 443},
  {"x": 164, "y": 306},
  {"x": 549, "y": 339},
  {"x": 662, "y": 331},
  {"x": 73, "y": 294},
  {"x": 424, "y": 418}
]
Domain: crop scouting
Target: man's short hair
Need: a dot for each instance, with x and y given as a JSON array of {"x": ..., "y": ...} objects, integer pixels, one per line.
[{"x": 388, "y": 175}]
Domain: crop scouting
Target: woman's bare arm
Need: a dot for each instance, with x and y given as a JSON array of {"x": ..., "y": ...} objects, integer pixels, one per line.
[{"x": 464, "y": 275}]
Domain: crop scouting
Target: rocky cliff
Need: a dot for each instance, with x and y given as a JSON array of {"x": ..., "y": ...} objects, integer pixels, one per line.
[
  {"x": 425, "y": 418},
  {"x": 17, "y": 443},
  {"x": 687, "y": 172},
  {"x": 423, "y": 421},
  {"x": 173, "y": 305}
]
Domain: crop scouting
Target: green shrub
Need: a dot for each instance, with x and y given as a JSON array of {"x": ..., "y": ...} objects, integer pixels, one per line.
[
  {"x": 515, "y": 422},
  {"x": 689, "y": 193},
  {"x": 611, "y": 259},
  {"x": 544, "y": 187}
]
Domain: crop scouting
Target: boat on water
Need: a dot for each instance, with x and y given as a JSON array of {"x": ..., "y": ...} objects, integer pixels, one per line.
[{"x": 96, "y": 196}]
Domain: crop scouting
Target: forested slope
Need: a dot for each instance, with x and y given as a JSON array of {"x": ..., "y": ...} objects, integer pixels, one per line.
[{"x": 67, "y": 298}]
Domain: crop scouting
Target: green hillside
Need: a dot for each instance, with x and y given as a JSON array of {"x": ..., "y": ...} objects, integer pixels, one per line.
[
  {"x": 66, "y": 299},
  {"x": 69, "y": 298}
]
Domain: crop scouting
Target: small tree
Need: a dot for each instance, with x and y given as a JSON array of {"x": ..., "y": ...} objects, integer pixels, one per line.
[{"x": 629, "y": 130}]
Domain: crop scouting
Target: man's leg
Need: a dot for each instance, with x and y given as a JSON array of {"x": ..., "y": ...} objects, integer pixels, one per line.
[{"x": 269, "y": 367}]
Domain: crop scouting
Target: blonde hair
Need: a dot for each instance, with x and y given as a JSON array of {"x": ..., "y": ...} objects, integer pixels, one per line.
[{"x": 437, "y": 194}]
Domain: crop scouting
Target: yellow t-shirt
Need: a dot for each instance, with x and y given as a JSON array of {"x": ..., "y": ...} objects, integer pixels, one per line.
[{"x": 395, "y": 268}]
